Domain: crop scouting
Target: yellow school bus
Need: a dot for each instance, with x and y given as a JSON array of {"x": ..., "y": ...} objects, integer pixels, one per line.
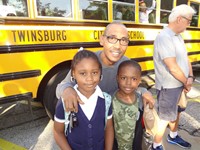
[{"x": 38, "y": 39}]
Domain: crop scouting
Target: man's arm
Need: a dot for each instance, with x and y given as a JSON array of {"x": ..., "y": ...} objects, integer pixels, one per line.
[
  {"x": 191, "y": 76},
  {"x": 190, "y": 68},
  {"x": 63, "y": 85},
  {"x": 69, "y": 95},
  {"x": 176, "y": 71}
]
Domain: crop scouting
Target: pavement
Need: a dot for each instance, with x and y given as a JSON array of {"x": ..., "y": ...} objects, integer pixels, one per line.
[
  {"x": 189, "y": 124},
  {"x": 194, "y": 140}
]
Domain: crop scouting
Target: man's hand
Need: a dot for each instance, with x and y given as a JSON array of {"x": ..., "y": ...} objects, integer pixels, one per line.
[
  {"x": 148, "y": 98},
  {"x": 71, "y": 99},
  {"x": 188, "y": 85}
]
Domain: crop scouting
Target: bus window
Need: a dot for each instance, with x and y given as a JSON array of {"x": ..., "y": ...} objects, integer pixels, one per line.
[
  {"x": 124, "y": 10},
  {"x": 152, "y": 5},
  {"x": 179, "y": 2},
  {"x": 52, "y": 8},
  {"x": 195, "y": 17},
  {"x": 166, "y": 7},
  {"x": 13, "y": 8},
  {"x": 147, "y": 12},
  {"x": 94, "y": 10}
]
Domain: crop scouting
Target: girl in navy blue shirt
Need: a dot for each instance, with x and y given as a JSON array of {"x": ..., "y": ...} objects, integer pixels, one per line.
[{"x": 94, "y": 130}]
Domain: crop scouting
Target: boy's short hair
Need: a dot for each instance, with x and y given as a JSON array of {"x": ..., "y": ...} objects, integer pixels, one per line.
[{"x": 130, "y": 63}]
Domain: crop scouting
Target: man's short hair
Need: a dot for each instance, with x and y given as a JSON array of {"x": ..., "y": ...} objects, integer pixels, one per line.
[{"x": 181, "y": 10}]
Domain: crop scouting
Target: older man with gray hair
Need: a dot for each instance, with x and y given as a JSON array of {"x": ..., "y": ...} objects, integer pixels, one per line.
[{"x": 173, "y": 74}]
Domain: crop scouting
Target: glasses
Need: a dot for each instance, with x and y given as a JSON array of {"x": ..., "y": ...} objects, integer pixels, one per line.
[
  {"x": 189, "y": 21},
  {"x": 112, "y": 39}
]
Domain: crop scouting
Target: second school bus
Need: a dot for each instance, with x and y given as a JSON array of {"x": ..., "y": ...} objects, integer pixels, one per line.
[{"x": 38, "y": 39}]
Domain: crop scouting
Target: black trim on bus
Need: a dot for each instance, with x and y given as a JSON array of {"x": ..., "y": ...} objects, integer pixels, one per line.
[
  {"x": 142, "y": 59},
  {"x": 192, "y": 41},
  {"x": 81, "y": 23},
  {"x": 46, "y": 47},
  {"x": 194, "y": 53},
  {"x": 61, "y": 46},
  {"x": 19, "y": 75},
  {"x": 17, "y": 97},
  {"x": 133, "y": 43},
  {"x": 146, "y": 72},
  {"x": 150, "y": 58},
  {"x": 51, "y": 22},
  {"x": 73, "y": 23},
  {"x": 196, "y": 62},
  {"x": 193, "y": 29},
  {"x": 58, "y": 46}
]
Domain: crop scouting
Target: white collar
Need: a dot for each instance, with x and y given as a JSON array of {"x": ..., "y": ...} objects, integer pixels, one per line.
[{"x": 97, "y": 93}]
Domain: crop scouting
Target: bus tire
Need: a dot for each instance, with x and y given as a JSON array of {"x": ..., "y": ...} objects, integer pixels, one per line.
[{"x": 49, "y": 98}]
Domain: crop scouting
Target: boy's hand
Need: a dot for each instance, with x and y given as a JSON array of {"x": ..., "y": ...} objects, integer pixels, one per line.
[{"x": 148, "y": 98}]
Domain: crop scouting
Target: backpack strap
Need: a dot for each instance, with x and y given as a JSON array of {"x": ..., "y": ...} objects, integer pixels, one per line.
[
  {"x": 107, "y": 105},
  {"x": 66, "y": 118}
]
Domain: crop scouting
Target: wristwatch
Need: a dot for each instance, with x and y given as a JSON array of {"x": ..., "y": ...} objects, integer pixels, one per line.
[{"x": 192, "y": 77}]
